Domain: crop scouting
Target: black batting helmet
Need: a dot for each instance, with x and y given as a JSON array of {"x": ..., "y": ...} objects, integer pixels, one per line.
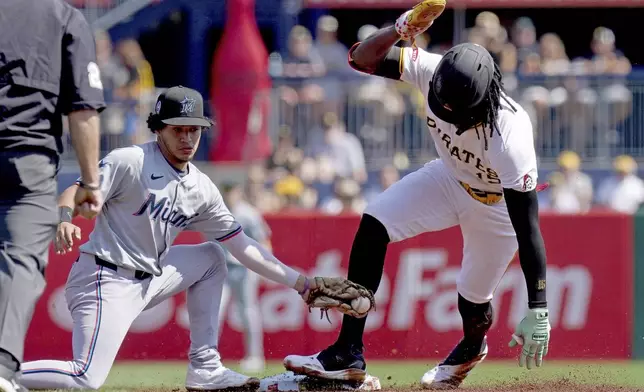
[{"x": 459, "y": 87}]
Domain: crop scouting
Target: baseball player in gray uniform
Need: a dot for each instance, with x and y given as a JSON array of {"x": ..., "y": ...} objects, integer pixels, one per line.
[
  {"x": 152, "y": 192},
  {"x": 241, "y": 289}
]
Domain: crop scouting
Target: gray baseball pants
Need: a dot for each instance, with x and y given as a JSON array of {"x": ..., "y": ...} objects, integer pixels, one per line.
[{"x": 28, "y": 219}]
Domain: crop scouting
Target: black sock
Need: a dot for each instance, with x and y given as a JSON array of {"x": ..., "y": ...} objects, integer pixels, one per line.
[
  {"x": 477, "y": 320},
  {"x": 366, "y": 265}
]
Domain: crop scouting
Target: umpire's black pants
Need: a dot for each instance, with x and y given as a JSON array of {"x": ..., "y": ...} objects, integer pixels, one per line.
[{"x": 28, "y": 218}]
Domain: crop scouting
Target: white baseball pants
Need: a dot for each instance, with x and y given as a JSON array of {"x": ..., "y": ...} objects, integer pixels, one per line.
[
  {"x": 431, "y": 199},
  {"x": 104, "y": 303}
]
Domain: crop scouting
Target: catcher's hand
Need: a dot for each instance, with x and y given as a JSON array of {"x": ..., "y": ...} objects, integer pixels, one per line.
[
  {"x": 418, "y": 19},
  {"x": 341, "y": 294}
]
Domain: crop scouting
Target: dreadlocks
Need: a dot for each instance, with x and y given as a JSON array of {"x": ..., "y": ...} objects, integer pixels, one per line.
[
  {"x": 494, "y": 100},
  {"x": 492, "y": 104}
]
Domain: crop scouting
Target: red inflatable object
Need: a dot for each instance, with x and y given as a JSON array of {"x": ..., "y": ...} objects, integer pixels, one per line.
[{"x": 240, "y": 91}]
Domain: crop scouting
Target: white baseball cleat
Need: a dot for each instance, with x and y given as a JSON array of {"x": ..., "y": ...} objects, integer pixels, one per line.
[
  {"x": 450, "y": 376},
  {"x": 6, "y": 385},
  {"x": 220, "y": 379},
  {"x": 311, "y": 366}
]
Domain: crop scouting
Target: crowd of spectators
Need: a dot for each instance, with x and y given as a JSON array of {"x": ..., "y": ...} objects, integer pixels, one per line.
[
  {"x": 342, "y": 136},
  {"x": 129, "y": 88}
]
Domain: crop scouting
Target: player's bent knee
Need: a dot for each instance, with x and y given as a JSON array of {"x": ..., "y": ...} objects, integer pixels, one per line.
[
  {"x": 92, "y": 379},
  {"x": 217, "y": 256},
  {"x": 215, "y": 252}
]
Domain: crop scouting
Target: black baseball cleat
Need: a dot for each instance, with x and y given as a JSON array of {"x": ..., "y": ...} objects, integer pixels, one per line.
[
  {"x": 336, "y": 362},
  {"x": 451, "y": 373}
]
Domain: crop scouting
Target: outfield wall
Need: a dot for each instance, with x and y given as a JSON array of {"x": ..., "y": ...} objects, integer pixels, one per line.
[{"x": 590, "y": 294}]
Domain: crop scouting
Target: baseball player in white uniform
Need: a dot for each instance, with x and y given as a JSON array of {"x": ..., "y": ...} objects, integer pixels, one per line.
[
  {"x": 484, "y": 181},
  {"x": 152, "y": 192}
]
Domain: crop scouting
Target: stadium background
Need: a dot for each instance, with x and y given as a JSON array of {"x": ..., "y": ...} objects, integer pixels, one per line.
[{"x": 312, "y": 141}]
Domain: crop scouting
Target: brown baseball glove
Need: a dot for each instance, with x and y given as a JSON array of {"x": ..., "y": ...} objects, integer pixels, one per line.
[{"x": 341, "y": 294}]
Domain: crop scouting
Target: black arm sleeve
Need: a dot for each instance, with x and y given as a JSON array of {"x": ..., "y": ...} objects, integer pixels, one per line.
[
  {"x": 81, "y": 86},
  {"x": 388, "y": 68},
  {"x": 523, "y": 208}
]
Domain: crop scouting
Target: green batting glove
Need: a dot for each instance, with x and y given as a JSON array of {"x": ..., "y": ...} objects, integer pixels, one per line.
[{"x": 533, "y": 333}]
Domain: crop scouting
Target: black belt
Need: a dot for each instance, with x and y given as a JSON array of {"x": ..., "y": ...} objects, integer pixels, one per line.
[{"x": 140, "y": 275}]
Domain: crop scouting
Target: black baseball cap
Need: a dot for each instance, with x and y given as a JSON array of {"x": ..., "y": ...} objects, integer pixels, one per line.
[{"x": 181, "y": 106}]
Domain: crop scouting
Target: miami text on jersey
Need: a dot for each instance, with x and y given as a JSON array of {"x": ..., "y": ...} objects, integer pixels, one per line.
[{"x": 161, "y": 209}]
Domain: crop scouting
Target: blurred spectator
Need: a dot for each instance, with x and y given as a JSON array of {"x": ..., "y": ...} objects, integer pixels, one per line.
[
  {"x": 490, "y": 34},
  {"x": 302, "y": 61},
  {"x": 241, "y": 284},
  {"x": 531, "y": 65},
  {"x": 114, "y": 76},
  {"x": 334, "y": 55},
  {"x": 333, "y": 52},
  {"x": 388, "y": 176},
  {"x": 139, "y": 91},
  {"x": 290, "y": 189},
  {"x": 140, "y": 85},
  {"x": 546, "y": 96},
  {"x": 524, "y": 38},
  {"x": 257, "y": 194},
  {"x": 488, "y": 23},
  {"x": 571, "y": 191},
  {"x": 301, "y": 94},
  {"x": 346, "y": 198},
  {"x": 554, "y": 60},
  {"x": 624, "y": 190},
  {"x": 606, "y": 58},
  {"x": 285, "y": 151},
  {"x": 342, "y": 148},
  {"x": 600, "y": 105}
]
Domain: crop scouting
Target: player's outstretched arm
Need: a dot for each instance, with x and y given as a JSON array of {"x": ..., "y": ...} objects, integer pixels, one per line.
[
  {"x": 533, "y": 332},
  {"x": 319, "y": 292},
  {"x": 377, "y": 54},
  {"x": 257, "y": 258}
]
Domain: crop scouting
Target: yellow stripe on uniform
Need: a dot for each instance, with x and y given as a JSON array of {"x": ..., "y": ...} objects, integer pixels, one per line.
[
  {"x": 484, "y": 197},
  {"x": 401, "y": 64}
]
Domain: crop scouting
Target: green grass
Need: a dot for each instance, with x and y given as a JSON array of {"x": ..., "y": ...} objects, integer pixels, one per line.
[{"x": 170, "y": 375}]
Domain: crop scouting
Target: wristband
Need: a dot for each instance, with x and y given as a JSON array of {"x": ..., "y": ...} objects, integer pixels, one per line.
[
  {"x": 88, "y": 187},
  {"x": 306, "y": 287},
  {"x": 65, "y": 214}
]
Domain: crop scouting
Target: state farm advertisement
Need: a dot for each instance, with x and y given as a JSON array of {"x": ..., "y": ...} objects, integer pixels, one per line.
[{"x": 589, "y": 294}]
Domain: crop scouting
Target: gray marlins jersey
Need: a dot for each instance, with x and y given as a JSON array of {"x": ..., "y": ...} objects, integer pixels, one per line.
[{"x": 148, "y": 203}]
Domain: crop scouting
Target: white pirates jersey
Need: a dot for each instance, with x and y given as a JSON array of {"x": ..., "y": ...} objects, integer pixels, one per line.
[
  {"x": 148, "y": 203},
  {"x": 510, "y": 160}
]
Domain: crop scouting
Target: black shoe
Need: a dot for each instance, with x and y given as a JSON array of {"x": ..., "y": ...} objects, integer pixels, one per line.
[{"x": 345, "y": 363}]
